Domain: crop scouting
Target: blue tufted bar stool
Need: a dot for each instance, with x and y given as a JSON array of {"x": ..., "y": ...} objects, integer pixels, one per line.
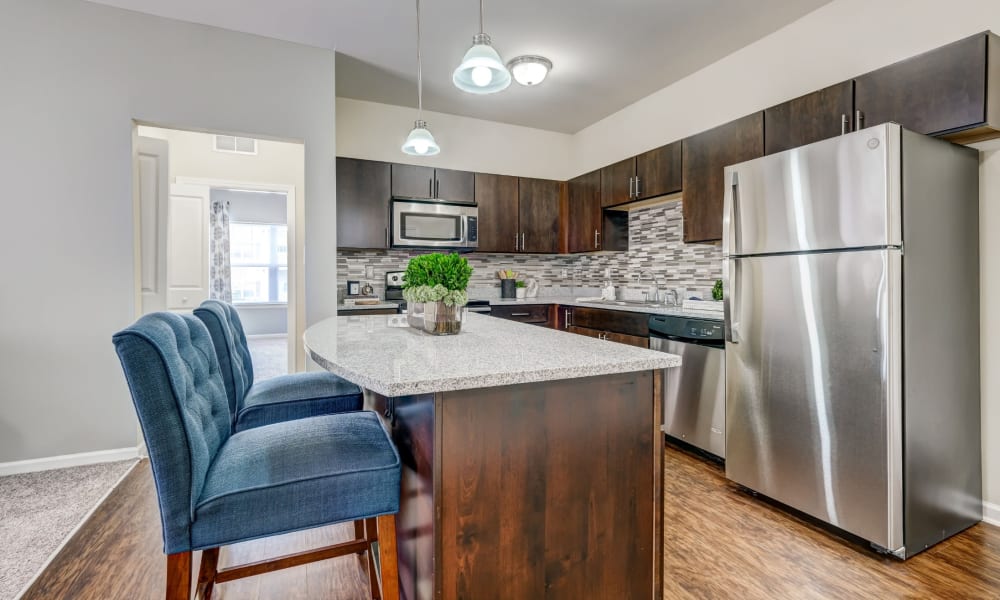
[
  {"x": 216, "y": 487},
  {"x": 281, "y": 398}
]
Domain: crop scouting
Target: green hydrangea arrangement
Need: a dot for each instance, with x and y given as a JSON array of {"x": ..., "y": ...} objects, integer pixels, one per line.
[{"x": 437, "y": 278}]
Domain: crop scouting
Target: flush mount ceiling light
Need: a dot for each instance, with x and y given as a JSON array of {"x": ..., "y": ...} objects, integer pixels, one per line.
[
  {"x": 529, "y": 70},
  {"x": 420, "y": 142},
  {"x": 481, "y": 71}
]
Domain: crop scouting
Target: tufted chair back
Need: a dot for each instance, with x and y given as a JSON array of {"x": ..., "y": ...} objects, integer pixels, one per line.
[
  {"x": 177, "y": 389},
  {"x": 226, "y": 329}
]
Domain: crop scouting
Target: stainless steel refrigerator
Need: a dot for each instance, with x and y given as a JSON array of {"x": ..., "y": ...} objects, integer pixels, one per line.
[{"x": 851, "y": 280}]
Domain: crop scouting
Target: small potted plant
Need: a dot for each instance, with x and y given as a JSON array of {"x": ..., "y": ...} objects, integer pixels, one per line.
[
  {"x": 434, "y": 288},
  {"x": 521, "y": 290}
]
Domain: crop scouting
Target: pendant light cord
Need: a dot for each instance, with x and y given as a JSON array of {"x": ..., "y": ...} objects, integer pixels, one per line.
[
  {"x": 482, "y": 26},
  {"x": 420, "y": 79}
]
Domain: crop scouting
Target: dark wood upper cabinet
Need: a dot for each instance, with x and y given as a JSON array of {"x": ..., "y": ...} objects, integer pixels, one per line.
[
  {"x": 411, "y": 181},
  {"x": 362, "y": 203},
  {"x": 428, "y": 183},
  {"x": 584, "y": 212},
  {"x": 705, "y": 156},
  {"x": 950, "y": 91},
  {"x": 496, "y": 196},
  {"x": 539, "y": 215},
  {"x": 455, "y": 186},
  {"x": 617, "y": 181},
  {"x": 817, "y": 116},
  {"x": 658, "y": 172}
]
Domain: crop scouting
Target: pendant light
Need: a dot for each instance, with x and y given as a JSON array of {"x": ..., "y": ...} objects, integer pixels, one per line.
[
  {"x": 420, "y": 142},
  {"x": 481, "y": 71}
]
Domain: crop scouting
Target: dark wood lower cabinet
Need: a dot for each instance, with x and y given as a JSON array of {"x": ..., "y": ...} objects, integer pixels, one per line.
[
  {"x": 534, "y": 314},
  {"x": 540, "y": 490},
  {"x": 611, "y": 336}
]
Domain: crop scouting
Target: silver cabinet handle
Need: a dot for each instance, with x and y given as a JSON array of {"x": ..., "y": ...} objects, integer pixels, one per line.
[
  {"x": 522, "y": 241},
  {"x": 637, "y": 180},
  {"x": 843, "y": 124},
  {"x": 520, "y": 314},
  {"x": 597, "y": 239},
  {"x": 515, "y": 242},
  {"x": 859, "y": 118},
  {"x": 631, "y": 193},
  {"x": 568, "y": 318}
]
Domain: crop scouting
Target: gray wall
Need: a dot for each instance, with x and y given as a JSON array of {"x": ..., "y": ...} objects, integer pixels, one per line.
[{"x": 74, "y": 77}]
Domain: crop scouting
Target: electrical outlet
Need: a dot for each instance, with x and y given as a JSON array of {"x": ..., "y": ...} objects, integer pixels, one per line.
[
  {"x": 564, "y": 273},
  {"x": 369, "y": 272}
]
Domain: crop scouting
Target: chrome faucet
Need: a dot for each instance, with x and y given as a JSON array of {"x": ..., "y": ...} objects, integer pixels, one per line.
[{"x": 652, "y": 295}]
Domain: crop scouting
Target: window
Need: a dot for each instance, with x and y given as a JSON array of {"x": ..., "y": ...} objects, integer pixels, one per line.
[{"x": 259, "y": 258}]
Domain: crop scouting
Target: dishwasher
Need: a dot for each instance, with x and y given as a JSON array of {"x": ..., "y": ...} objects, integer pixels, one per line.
[{"x": 694, "y": 394}]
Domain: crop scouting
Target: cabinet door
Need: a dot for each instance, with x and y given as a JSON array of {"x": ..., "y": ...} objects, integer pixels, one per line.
[
  {"x": 658, "y": 172},
  {"x": 362, "y": 203},
  {"x": 411, "y": 181},
  {"x": 817, "y": 116},
  {"x": 455, "y": 186},
  {"x": 594, "y": 333},
  {"x": 935, "y": 92},
  {"x": 705, "y": 156},
  {"x": 539, "y": 215},
  {"x": 631, "y": 340},
  {"x": 584, "y": 214},
  {"x": 496, "y": 196},
  {"x": 534, "y": 314},
  {"x": 617, "y": 321},
  {"x": 616, "y": 182}
]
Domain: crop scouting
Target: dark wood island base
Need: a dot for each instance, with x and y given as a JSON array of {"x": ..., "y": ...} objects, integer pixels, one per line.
[{"x": 538, "y": 490}]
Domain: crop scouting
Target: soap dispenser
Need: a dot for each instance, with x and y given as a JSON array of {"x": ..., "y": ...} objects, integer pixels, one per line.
[{"x": 608, "y": 290}]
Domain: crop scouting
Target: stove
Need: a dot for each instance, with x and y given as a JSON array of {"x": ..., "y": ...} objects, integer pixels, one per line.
[{"x": 394, "y": 293}]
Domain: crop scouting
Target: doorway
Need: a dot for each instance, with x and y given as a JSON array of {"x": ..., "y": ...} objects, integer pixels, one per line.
[{"x": 216, "y": 219}]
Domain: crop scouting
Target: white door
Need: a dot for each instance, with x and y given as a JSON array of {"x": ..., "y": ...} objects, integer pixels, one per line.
[
  {"x": 152, "y": 172},
  {"x": 187, "y": 246}
]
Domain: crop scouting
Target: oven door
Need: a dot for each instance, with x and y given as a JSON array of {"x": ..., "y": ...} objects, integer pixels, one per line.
[{"x": 434, "y": 225}]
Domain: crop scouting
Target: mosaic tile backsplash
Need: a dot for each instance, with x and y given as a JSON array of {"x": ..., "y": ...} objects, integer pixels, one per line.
[{"x": 656, "y": 250}]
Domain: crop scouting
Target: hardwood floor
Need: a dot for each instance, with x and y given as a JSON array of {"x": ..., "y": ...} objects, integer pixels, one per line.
[{"x": 719, "y": 542}]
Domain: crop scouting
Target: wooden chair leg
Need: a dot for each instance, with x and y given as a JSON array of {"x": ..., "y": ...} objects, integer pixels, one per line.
[
  {"x": 359, "y": 534},
  {"x": 371, "y": 534},
  {"x": 387, "y": 556},
  {"x": 179, "y": 576},
  {"x": 206, "y": 574}
]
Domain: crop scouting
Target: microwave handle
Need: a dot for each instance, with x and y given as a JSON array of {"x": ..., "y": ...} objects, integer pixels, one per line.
[{"x": 463, "y": 239}]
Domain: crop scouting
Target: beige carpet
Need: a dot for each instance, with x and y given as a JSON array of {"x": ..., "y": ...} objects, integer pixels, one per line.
[
  {"x": 269, "y": 355},
  {"x": 39, "y": 510}
]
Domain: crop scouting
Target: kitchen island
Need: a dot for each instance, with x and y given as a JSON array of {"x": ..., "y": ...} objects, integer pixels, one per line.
[{"x": 531, "y": 457}]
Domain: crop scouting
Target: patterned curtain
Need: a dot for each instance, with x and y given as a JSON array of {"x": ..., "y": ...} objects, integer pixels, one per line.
[{"x": 219, "y": 274}]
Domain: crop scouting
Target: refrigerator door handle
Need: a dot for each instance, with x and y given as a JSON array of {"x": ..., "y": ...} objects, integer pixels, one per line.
[
  {"x": 735, "y": 216},
  {"x": 730, "y": 275}
]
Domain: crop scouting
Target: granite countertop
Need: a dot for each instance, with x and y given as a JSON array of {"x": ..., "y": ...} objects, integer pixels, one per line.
[
  {"x": 383, "y": 354},
  {"x": 572, "y": 301}
]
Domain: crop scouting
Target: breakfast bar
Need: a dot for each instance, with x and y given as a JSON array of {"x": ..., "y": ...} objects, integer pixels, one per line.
[{"x": 531, "y": 457}]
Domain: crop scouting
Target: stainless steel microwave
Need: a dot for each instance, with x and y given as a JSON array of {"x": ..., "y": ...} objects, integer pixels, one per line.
[{"x": 434, "y": 225}]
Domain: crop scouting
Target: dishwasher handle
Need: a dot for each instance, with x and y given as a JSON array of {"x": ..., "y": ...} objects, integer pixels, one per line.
[{"x": 710, "y": 343}]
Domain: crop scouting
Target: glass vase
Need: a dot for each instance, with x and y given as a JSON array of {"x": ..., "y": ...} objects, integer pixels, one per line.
[{"x": 436, "y": 318}]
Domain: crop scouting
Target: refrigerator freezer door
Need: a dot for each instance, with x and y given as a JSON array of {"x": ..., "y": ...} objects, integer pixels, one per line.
[
  {"x": 835, "y": 194},
  {"x": 813, "y": 386}
]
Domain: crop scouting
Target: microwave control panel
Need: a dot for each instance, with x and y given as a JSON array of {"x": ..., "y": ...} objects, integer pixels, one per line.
[{"x": 473, "y": 231}]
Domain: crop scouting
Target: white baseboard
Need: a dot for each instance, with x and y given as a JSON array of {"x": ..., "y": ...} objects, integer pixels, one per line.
[
  {"x": 67, "y": 460},
  {"x": 991, "y": 513}
]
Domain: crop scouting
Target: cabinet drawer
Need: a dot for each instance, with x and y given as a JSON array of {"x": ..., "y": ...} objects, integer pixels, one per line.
[
  {"x": 536, "y": 314},
  {"x": 621, "y": 338},
  {"x": 628, "y": 323}
]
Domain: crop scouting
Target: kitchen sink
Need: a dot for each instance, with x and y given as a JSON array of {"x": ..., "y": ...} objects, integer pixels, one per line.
[{"x": 640, "y": 303}]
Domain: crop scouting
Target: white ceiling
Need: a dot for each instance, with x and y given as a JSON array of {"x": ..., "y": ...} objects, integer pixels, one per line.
[{"x": 606, "y": 53}]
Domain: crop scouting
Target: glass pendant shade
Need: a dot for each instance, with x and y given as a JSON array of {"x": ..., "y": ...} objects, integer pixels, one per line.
[
  {"x": 420, "y": 142},
  {"x": 481, "y": 71}
]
